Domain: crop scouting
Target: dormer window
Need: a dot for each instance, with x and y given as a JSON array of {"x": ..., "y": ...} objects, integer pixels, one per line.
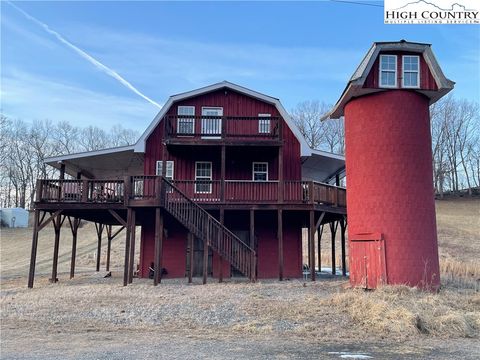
[
  {"x": 411, "y": 71},
  {"x": 388, "y": 71}
]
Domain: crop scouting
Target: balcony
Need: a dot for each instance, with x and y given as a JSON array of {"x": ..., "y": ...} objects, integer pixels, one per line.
[
  {"x": 222, "y": 129},
  {"x": 147, "y": 191}
]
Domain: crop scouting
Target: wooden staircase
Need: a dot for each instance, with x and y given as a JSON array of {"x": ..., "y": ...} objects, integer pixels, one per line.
[{"x": 204, "y": 226}]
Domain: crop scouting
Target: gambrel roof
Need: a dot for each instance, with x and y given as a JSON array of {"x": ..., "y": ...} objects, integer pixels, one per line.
[
  {"x": 355, "y": 87},
  {"x": 304, "y": 148}
]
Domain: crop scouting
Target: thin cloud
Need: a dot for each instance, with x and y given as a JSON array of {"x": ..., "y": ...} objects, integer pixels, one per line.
[
  {"x": 29, "y": 96},
  {"x": 86, "y": 56}
]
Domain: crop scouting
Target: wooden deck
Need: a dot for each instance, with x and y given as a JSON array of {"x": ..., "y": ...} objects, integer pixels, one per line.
[{"x": 145, "y": 191}]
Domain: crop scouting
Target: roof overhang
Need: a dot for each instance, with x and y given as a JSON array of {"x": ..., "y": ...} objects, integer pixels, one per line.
[
  {"x": 111, "y": 163},
  {"x": 355, "y": 87},
  {"x": 322, "y": 166},
  {"x": 304, "y": 148}
]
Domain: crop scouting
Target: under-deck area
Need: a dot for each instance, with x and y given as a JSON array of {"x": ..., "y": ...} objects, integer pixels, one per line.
[{"x": 254, "y": 232}]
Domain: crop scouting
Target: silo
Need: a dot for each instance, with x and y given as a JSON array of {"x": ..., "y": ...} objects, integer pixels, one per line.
[{"x": 390, "y": 193}]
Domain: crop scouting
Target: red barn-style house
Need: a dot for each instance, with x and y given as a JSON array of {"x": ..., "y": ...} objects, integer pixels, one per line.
[{"x": 220, "y": 184}]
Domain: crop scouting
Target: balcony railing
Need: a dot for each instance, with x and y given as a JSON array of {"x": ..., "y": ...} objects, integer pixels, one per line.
[
  {"x": 148, "y": 188},
  {"x": 222, "y": 127}
]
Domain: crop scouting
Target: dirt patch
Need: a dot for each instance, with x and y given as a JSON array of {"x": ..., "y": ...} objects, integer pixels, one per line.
[{"x": 96, "y": 317}]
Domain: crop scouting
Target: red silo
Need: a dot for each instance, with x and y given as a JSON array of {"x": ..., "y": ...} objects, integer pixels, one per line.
[{"x": 390, "y": 194}]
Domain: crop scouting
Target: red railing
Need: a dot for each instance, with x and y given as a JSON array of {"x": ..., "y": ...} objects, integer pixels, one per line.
[
  {"x": 148, "y": 187},
  {"x": 184, "y": 126},
  {"x": 93, "y": 191},
  {"x": 245, "y": 191}
]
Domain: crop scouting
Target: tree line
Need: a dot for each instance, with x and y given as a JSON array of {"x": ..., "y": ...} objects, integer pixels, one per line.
[
  {"x": 455, "y": 129},
  {"x": 24, "y": 146}
]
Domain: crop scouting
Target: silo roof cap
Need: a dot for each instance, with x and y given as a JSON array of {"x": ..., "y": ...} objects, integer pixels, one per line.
[{"x": 355, "y": 88}]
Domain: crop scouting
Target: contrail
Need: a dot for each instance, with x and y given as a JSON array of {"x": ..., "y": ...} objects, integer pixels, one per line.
[{"x": 86, "y": 56}]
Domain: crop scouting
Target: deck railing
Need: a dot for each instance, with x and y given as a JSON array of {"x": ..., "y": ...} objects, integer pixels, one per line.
[
  {"x": 148, "y": 187},
  {"x": 215, "y": 127},
  {"x": 87, "y": 191}
]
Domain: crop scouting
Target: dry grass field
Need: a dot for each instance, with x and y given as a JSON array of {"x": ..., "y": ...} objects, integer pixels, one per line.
[{"x": 97, "y": 318}]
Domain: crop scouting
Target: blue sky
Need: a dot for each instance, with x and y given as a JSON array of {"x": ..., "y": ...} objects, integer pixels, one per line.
[{"x": 291, "y": 50}]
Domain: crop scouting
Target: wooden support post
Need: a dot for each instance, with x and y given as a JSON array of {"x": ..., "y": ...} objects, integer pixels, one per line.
[
  {"x": 311, "y": 242},
  {"x": 222, "y": 173},
  {"x": 342, "y": 234},
  {"x": 281, "y": 184},
  {"x": 252, "y": 244},
  {"x": 62, "y": 171},
  {"x": 127, "y": 246},
  {"x": 280, "y": 243},
  {"x": 57, "y": 224},
  {"x": 74, "y": 228},
  {"x": 99, "y": 228},
  {"x": 319, "y": 240},
  {"x": 220, "y": 234},
  {"x": 190, "y": 257},
  {"x": 85, "y": 191},
  {"x": 132, "y": 249},
  {"x": 109, "y": 246},
  {"x": 333, "y": 230},
  {"x": 33, "y": 256},
  {"x": 157, "y": 276},
  {"x": 205, "y": 255}
]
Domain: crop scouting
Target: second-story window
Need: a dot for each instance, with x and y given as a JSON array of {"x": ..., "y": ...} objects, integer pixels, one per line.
[
  {"x": 186, "y": 120},
  {"x": 388, "y": 71},
  {"x": 264, "y": 123},
  {"x": 169, "y": 170},
  {"x": 260, "y": 171},
  {"x": 411, "y": 71},
  {"x": 203, "y": 177}
]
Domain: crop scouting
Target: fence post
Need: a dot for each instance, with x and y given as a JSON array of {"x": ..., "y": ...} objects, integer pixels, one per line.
[
  {"x": 310, "y": 192},
  {"x": 127, "y": 189},
  {"x": 84, "y": 191},
  {"x": 39, "y": 192}
]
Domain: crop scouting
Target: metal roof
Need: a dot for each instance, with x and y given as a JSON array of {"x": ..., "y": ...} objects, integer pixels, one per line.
[{"x": 355, "y": 88}]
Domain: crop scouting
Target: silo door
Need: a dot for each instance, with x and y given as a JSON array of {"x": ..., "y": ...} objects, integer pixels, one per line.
[{"x": 367, "y": 266}]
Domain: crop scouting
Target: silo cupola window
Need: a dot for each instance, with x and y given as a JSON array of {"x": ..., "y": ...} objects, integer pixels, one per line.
[
  {"x": 411, "y": 71},
  {"x": 388, "y": 71}
]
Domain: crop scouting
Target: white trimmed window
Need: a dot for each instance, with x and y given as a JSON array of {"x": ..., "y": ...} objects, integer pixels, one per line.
[
  {"x": 203, "y": 177},
  {"x": 169, "y": 171},
  {"x": 260, "y": 171},
  {"x": 411, "y": 71},
  {"x": 264, "y": 123},
  {"x": 388, "y": 71},
  {"x": 186, "y": 120}
]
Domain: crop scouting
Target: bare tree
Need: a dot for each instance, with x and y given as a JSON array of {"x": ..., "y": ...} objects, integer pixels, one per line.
[
  {"x": 119, "y": 136},
  {"x": 93, "y": 138},
  {"x": 65, "y": 137},
  {"x": 327, "y": 135}
]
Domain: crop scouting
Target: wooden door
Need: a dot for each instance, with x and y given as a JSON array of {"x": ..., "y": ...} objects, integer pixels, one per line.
[
  {"x": 198, "y": 258},
  {"x": 367, "y": 263},
  {"x": 212, "y": 122}
]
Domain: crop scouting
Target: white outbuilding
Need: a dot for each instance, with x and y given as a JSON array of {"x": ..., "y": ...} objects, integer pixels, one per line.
[{"x": 14, "y": 217}]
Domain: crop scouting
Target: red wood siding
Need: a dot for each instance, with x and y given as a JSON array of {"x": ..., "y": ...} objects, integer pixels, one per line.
[
  {"x": 238, "y": 159},
  {"x": 427, "y": 81},
  {"x": 233, "y": 103},
  {"x": 175, "y": 248}
]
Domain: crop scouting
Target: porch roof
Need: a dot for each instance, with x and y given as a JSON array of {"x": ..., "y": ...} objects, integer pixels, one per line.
[
  {"x": 113, "y": 163},
  {"x": 322, "y": 166}
]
